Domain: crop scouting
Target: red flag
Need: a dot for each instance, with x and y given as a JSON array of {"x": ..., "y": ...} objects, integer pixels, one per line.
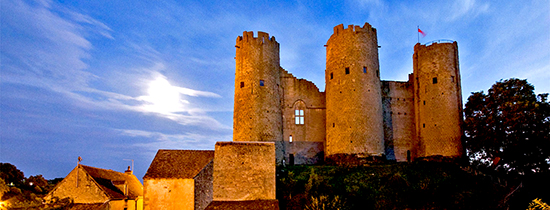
[{"x": 422, "y": 32}]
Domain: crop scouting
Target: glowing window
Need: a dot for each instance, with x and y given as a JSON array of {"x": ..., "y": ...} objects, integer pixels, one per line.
[
  {"x": 290, "y": 139},
  {"x": 299, "y": 116}
]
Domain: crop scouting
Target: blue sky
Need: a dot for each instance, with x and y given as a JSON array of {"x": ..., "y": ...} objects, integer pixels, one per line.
[{"x": 115, "y": 80}]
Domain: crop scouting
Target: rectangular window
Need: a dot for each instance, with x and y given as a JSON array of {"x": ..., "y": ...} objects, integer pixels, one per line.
[
  {"x": 364, "y": 69},
  {"x": 290, "y": 139},
  {"x": 331, "y": 76},
  {"x": 452, "y": 78},
  {"x": 261, "y": 83},
  {"x": 347, "y": 70},
  {"x": 242, "y": 84},
  {"x": 434, "y": 80},
  {"x": 299, "y": 116}
]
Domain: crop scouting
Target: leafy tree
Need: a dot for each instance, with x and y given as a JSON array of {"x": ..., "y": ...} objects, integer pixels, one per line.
[
  {"x": 508, "y": 129},
  {"x": 11, "y": 174}
]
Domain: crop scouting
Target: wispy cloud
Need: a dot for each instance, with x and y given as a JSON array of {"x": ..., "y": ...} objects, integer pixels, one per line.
[
  {"x": 52, "y": 55},
  {"x": 174, "y": 141},
  {"x": 470, "y": 8}
]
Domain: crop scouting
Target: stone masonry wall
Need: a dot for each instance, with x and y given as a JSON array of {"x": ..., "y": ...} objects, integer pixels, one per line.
[
  {"x": 399, "y": 129},
  {"x": 204, "y": 187},
  {"x": 168, "y": 194},
  {"x": 87, "y": 190},
  {"x": 438, "y": 99},
  {"x": 308, "y": 139},
  {"x": 244, "y": 171},
  {"x": 354, "y": 122}
]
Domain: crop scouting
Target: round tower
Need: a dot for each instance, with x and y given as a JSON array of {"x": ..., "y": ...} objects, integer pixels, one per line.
[
  {"x": 353, "y": 93},
  {"x": 257, "y": 109},
  {"x": 438, "y": 100}
]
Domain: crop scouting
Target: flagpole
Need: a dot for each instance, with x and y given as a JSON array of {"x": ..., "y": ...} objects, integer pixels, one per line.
[{"x": 418, "y": 33}]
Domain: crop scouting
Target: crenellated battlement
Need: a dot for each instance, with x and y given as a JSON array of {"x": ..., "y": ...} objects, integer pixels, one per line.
[
  {"x": 367, "y": 28},
  {"x": 263, "y": 38}
]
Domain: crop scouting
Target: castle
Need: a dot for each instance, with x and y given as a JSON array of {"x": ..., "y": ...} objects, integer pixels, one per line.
[
  {"x": 280, "y": 119},
  {"x": 358, "y": 115}
]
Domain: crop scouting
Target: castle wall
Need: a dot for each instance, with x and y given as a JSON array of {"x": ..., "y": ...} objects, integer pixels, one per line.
[
  {"x": 399, "y": 129},
  {"x": 169, "y": 194},
  {"x": 438, "y": 99},
  {"x": 354, "y": 122},
  {"x": 257, "y": 110},
  {"x": 204, "y": 187},
  {"x": 244, "y": 171},
  {"x": 307, "y": 146}
]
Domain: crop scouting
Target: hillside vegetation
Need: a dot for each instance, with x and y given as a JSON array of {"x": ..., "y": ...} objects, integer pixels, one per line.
[{"x": 422, "y": 185}]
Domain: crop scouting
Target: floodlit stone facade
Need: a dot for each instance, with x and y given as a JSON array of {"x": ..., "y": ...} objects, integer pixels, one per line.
[
  {"x": 179, "y": 179},
  {"x": 244, "y": 171},
  {"x": 359, "y": 115},
  {"x": 101, "y": 188}
]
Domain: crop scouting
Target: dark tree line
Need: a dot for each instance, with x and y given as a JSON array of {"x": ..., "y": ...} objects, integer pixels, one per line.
[{"x": 507, "y": 130}]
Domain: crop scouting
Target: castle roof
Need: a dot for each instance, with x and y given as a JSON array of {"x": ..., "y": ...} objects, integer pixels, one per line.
[
  {"x": 178, "y": 164},
  {"x": 109, "y": 179}
]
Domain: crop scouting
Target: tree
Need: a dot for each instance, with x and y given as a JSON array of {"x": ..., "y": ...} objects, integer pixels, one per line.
[
  {"x": 508, "y": 129},
  {"x": 11, "y": 174}
]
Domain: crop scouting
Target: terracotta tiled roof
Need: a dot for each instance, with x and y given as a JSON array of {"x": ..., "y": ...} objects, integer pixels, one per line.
[
  {"x": 244, "y": 205},
  {"x": 109, "y": 179},
  {"x": 178, "y": 164}
]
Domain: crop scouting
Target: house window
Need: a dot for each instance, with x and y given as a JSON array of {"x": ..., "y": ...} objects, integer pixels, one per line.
[
  {"x": 242, "y": 84},
  {"x": 347, "y": 70},
  {"x": 364, "y": 69},
  {"x": 434, "y": 80},
  {"x": 290, "y": 139},
  {"x": 299, "y": 116},
  {"x": 261, "y": 83},
  {"x": 331, "y": 76}
]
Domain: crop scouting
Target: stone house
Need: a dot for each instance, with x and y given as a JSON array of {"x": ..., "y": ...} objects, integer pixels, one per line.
[
  {"x": 179, "y": 179},
  {"x": 90, "y": 187}
]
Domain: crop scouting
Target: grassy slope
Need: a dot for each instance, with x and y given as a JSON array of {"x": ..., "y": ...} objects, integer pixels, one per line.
[{"x": 389, "y": 186}]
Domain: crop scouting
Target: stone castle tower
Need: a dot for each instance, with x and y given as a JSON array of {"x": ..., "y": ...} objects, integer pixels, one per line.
[
  {"x": 353, "y": 93},
  {"x": 438, "y": 99},
  {"x": 359, "y": 115},
  {"x": 257, "y": 114}
]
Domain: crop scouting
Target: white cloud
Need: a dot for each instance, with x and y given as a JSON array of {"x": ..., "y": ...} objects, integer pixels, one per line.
[
  {"x": 174, "y": 141},
  {"x": 470, "y": 8},
  {"x": 47, "y": 46}
]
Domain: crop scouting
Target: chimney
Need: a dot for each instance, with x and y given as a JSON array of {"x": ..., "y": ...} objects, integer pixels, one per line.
[{"x": 129, "y": 171}]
